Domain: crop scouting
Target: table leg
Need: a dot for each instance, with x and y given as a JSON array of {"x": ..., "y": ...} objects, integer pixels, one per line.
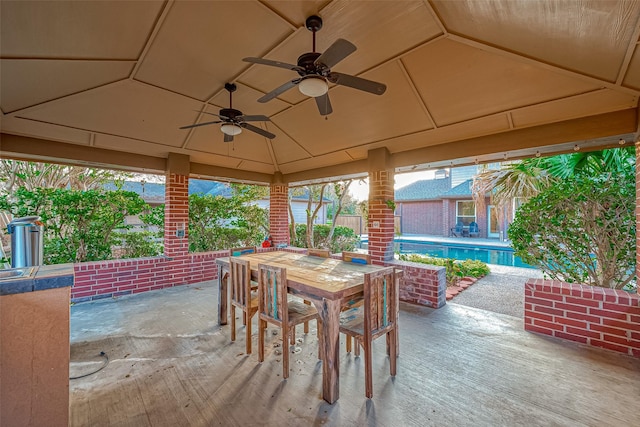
[
  {"x": 223, "y": 300},
  {"x": 329, "y": 312}
]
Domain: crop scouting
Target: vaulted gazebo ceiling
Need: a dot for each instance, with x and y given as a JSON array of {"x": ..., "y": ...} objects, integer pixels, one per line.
[{"x": 110, "y": 83}]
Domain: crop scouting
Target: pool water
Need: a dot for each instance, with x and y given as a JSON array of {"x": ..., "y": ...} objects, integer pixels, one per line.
[{"x": 489, "y": 255}]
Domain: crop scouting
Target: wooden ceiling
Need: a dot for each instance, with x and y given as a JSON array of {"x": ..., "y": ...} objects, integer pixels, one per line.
[{"x": 110, "y": 83}]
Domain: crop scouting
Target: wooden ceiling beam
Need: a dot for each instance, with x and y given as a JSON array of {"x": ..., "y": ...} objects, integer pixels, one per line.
[
  {"x": 586, "y": 128},
  {"x": 41, "y": 150}
]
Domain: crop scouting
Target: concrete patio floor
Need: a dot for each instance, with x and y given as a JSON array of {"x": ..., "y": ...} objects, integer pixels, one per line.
[{"x": 172, "y": 365}]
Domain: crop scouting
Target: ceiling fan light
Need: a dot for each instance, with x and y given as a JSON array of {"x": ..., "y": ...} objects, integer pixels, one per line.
[
  {"x": 313, "y": 86},
  {"x": 230, "y": 129}
]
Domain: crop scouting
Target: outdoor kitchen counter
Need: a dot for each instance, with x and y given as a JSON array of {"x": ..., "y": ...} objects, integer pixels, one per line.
[
  {"x": 34, "y": 362},
  {"x": 45, "y": 277}
]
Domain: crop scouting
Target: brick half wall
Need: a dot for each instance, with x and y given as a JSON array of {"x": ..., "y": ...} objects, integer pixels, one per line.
[
  {"x": 113, "y": 278},
  {"x": 422, "y": 284},
  {"x": 600, "y": 317},
  {"x": 104, "y": 279}
]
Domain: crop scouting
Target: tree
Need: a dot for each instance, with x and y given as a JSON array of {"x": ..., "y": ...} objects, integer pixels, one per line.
[
  {"x": 79, "y": 225},
  {"x": 580, "y": 227},
  {"x": 513, "y": 180},
  {"x": 312, "y": 213},
  {"x": 31, "y": 175},
  {"x": 218, "y": 222},
  {"x": 341, "y": 191}
]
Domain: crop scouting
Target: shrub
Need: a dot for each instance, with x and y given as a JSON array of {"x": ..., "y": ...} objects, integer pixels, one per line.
[
  {"x": 344, "y": 238},
  {"x": 138, "y": 244},
  {"x": 455, "y": 270},
  {"x": 581, "y": 230}
]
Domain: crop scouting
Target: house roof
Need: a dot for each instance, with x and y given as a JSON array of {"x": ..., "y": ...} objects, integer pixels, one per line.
[
  {"x": 154, "y": 192},
  {"x": 462, "y": 190},
  {"x": 426, "y": 189},
  {"x": 111, "y": 83},
  {"x": 151, "y": 192}
]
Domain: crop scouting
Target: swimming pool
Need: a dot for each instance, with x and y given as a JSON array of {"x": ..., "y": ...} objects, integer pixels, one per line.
[{"x": 490, "y": 255}]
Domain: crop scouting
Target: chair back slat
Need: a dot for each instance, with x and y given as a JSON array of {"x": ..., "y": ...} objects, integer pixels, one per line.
[
  {"x": 380, "y": 309},
  {"x": 243, "y": 251},
  {"x": 322, "y": 253},
  {"x": 272, "y": 291},
  {"x": 240, "y": 275},
  {"x": 356, "y": 257}
]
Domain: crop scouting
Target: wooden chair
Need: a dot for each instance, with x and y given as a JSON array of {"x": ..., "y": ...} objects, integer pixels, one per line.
[
  {"x": 275, "y": 307},
  {"x": 356, "y": 257},
  {"x": 242, "y": 297},
  {"x": 243, "y": 251},
  {"x": 377, "y": 317},
  {"x": 322, "y": 253}
]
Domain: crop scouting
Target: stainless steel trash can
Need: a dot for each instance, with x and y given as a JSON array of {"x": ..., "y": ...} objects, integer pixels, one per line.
[{"x": 26, "y": 241}]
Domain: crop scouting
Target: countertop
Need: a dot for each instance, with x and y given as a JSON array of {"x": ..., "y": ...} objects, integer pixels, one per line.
[{"x": 46, "y": 277}]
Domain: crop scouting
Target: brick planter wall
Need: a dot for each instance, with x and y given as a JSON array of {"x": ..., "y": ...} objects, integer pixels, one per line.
[
  {"x": 600, "y": 317},
  {"x": 422, "y": 284}
]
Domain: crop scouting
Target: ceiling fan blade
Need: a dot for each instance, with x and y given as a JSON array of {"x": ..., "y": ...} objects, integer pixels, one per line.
[
  {"x": 257, "y": 118},
  {"x": 280, "y": 90},
  {"x": 278, "y": 64},
  {"x": 228, "y": 138},
  {"x": 324, "y": 104},
  {"x": 201, "y": 124},
  {"x": 339, "y": 50},
  {"x": 358, "y": 83},
  {"x": 257, "y": 130},
  {"x": 213, "y": 114}
]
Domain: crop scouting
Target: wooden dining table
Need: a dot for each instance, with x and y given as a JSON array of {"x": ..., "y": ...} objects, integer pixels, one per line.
[{"x": 328, "y": 283}]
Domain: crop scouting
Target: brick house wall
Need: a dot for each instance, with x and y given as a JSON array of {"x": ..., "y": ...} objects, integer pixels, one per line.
[{"x": 420, "y": 217}]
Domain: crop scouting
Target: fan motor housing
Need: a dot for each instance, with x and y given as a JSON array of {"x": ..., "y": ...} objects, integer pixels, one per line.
[
  {"x": 307, "y": 61},
  {"x": 231, "y": 113}
]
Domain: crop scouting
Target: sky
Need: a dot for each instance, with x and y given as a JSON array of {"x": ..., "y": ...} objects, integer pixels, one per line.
[{"x": 360, "y": 189}]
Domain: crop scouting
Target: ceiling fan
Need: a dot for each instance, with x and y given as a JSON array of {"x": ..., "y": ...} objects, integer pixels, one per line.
[
  {"x": 315, "y": 72},
  {"x": 233, "y": 121}
]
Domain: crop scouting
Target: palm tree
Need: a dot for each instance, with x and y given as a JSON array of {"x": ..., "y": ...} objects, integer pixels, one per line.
[{"x": 526, "y": 178}]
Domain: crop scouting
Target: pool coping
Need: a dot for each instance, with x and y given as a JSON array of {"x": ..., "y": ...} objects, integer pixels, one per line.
[{"x": 475, "y": 242}]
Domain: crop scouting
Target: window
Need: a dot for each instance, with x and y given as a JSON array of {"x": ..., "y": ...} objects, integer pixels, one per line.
[{"x": 465, "y": 211}]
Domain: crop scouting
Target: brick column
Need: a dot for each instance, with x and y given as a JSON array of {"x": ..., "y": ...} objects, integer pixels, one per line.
[
  {"x": 381, "y": 191},
  {"x": 279, "y": 213},
  {"x": 637, "y": 209},
  {"x": 176, "y": 206}
]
